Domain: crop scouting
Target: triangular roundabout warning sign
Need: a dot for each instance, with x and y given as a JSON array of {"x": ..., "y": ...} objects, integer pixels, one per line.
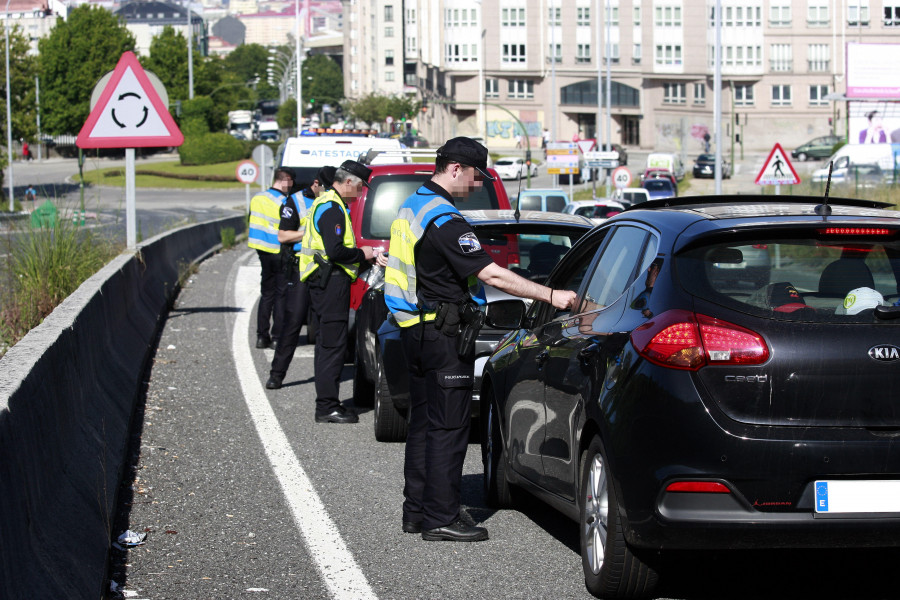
[
  {"x": 777, "y": 170},
  {"x": 129, "y": 113}
]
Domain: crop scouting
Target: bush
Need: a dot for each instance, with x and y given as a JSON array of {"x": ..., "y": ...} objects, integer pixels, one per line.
[{"x": 211, "y": 148}]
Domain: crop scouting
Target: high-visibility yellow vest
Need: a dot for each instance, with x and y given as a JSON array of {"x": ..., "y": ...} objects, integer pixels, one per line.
[
  {"x": 313, "y": 243},
  {"x": 303, "y": 204},
  {"x": 416, "y": 214},
  {"x": 265, "y": 214}
]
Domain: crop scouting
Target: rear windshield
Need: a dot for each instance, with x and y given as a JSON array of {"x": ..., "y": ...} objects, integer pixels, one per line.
[
  {"x": 657, "y": 184},
  {"x": 388, "y": 192},
  {"x": 797, "y": 279}
]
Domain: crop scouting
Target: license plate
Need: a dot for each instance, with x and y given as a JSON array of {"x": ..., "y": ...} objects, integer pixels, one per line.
[{"x": 857, "y": 496}]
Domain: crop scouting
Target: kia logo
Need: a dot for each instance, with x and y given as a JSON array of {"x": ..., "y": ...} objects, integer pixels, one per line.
[{"x": 884, "y": 353}]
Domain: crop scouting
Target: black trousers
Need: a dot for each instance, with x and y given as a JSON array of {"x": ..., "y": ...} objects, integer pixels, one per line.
[
  {"x": 331, "y": 306},
  {"x": 296, "y": 306},
  {"x": 272, "y": 288},
  {"x": 440, "y": 388}
]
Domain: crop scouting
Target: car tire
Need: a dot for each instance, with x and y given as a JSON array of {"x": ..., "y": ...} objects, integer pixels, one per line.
[
  {"x": 497, "y": 492},
  {"x": 802, "y": 157},
  {"x": 390, "y": 425},
  {"x": 611, "y": 569}
]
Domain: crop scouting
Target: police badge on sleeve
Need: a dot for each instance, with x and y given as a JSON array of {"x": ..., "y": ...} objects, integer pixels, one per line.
[
  {"x": 469, "y": 243},
  {"x": 286, "y": 212}
]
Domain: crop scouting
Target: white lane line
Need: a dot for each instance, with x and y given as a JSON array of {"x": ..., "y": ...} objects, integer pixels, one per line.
[{"x": 336, "y": 565}]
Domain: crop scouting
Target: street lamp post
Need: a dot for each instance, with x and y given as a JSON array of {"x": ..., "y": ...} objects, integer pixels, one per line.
[{"x": 9, "y": 115}]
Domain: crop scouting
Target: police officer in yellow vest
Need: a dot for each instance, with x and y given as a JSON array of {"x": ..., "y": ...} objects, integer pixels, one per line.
[
  {"x": 290, "y": 233},
  {"x": 265, "y": 214},
  {"x": 329, "y": 263},
  {"x": 432, "y": 289}
]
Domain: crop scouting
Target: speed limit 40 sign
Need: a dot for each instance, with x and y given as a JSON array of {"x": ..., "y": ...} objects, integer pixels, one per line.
[
  {"x": 247, "y": 171},
  {"x": 621, "y": 177}
]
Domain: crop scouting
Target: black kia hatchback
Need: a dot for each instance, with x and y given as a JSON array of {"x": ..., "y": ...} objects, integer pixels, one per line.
[{"x": 681, "y": 406}]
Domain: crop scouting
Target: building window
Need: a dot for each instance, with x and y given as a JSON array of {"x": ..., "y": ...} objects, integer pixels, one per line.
[
  {"x": 780, "y": 14},
  {"x": 410, "y": 79},
  {"x": 743, "y": 56},
  {"x": 781, "y": 58},
  {"x": 388, "y": 13},
  {"x": 636, "y": 54},
  {"x": 583, "y": 16},
  {"x": 741, "y": 16},
  {"x": 554, "y": 16},
  {"x": 613, "y": 54},
  {"x": 388, "y": 75},
  {"x": 583, "y": 53},
  {"x": 858, "y": 13},
  {"x": 614, "y": 19},
  {"x": 388, "y": 32},
  {"x": 411, "y": 45},
  {"x": 668, "y": 55},
  {"x": 817, "y": 13},
  {"x": 743, "y": 95},
  {"x": 513, "y": 53},
  {"x": 699, "y": 93},
  {"x": 819, "y": 58},
  {"x": 668, "y": 16},
  {"x": 521, "y": 88},
  {"x": 555, "y": 53},
  {"x": 674, "y": 93},
  {"x": 636, "y": 15},
  {"x": 817, "y": 95},
  {"x": 781, "y": 95},
  {"x": 389, "y": 57},
  {"x": 491, "y": 88},
  {"x": 410, "y": 16},
  {"x": 892, "y": 13},
  {"x": 512, "y": 17}
]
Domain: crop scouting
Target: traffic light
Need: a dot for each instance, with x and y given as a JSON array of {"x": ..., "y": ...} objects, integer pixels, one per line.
[{"x": 424, "y": 108}]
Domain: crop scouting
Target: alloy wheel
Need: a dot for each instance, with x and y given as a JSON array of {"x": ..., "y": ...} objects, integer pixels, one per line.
[{"x": 596, "y": 514}]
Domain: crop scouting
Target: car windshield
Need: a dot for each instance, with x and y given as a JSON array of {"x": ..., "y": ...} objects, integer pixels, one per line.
[
  {"x": 503, "y": 162},
  {"x": 799, "y": 278},
  {"x": 531, "y": 250},
  {"x": 388, "y": 192}
]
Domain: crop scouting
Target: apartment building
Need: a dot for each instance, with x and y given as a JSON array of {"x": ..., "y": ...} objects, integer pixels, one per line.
[{"x": 503, "y": 68}]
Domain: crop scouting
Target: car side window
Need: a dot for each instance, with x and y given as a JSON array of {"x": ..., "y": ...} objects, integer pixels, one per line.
[
  {"x": 615, "y": 269},
  {"x": 556, "y": 203}
]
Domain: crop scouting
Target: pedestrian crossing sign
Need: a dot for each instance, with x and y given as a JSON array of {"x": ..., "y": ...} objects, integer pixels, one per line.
[{"x": 777, "y": 170}]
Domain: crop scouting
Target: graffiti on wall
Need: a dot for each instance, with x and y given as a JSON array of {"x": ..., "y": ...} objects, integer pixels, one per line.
[{"x": 503, "y": 130}]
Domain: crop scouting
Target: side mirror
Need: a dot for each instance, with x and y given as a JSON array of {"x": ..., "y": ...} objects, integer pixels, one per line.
[{"x": 505, "y": 314}]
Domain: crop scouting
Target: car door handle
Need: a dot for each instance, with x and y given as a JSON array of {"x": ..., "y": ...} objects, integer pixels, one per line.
[{"x": 542, "y": 357}]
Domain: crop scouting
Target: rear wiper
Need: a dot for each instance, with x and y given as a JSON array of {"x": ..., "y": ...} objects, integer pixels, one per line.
[{"x": 887, "y": 312}]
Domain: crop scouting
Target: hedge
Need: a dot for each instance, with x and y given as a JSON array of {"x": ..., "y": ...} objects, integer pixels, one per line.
[{"x": 211, "y": 148}]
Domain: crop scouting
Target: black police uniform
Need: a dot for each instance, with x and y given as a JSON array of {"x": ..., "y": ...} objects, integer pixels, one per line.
[
  {"x": 330, "y": 301},
  {"x": 440, "y": 381},
  {"x": 296, "y": 304}
]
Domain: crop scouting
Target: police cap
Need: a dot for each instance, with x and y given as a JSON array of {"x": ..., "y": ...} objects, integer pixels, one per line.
[
  {"x": 466, "y": 151},
  {"x": 358, "y": 169}
]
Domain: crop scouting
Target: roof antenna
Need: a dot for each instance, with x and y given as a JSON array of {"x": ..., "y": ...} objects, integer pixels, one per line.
[
  {"x": 519, "y": 197},
  {"x": 823, "y": 210}
]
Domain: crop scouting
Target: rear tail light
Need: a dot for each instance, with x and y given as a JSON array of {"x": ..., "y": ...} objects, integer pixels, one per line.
[
  {"x": 514, "y": 260},
  {"x": 681, "y": 339},
  {"x": 761, "y": 246},
  {"x": 703, "y": 487}
]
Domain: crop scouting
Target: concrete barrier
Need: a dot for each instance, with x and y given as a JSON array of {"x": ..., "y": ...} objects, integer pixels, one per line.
[{"x": 67, "y": 394}]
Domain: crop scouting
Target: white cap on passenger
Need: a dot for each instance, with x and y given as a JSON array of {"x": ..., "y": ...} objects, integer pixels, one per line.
[{"x": 859, "y": 300}]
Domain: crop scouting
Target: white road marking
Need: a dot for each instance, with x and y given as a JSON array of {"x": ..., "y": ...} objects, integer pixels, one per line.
[{"x": 336, "y": 565}]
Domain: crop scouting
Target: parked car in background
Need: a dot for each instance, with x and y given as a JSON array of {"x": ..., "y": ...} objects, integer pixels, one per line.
[
  {"x": 530, "y": 244},
  {"x": 849, "y": 155},
  {"x": 668, "y": 161},
  {"x": 514, "y": 167},
  {"x": 549, "y": 200},
  {"x": 413, "y": 141},
  {"x": 597, "y": 210},
  {"x": 816, "y": 148},
  {"x": 660, "y": 187},
  {"x": 628, "y": 197},
  {"x": 705, "y": 166},
  {"x": 655, "y": 173},
  {"x": 672, "y": 410}
]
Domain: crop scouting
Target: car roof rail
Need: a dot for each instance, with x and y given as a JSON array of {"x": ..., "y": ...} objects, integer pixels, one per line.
[
  {"x": 405, "y": 155},
  {"x": 686, "y": 201}
]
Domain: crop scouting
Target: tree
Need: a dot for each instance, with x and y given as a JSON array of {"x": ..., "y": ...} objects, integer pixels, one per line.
[
  {"x": 76, "y": 54},
  {"x": 248, "y": 62},
  {"x": 22, "y": 69},
  {"x": 287, "y": 114},
  {"x": 322, "y": 80},
  {"x": 169, "y": 61},
  {"x": 375, "y": 108}
]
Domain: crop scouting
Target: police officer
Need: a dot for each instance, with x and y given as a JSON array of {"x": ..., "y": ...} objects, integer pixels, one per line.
[
  {"x": 329, "y": 263},
  {"x": 431, "y": 282},
  {"x": 265, "y": 209},
  {"x": 290, "y": 233}
]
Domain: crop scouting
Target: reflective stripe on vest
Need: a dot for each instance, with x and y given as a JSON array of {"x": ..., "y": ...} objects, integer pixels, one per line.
[
  {"x": 400, "y": 287},
  {"x": 302, "y": 204},
  {"x": 265, "y": 214},
  {"x": 313, "y": 243}
]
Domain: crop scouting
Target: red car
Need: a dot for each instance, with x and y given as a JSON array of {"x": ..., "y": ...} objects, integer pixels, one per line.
[{"x": 655, "y": 173}]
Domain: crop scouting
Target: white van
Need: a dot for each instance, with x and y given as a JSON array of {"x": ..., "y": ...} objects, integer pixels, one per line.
[
  {"x": 308, "y": 153},
  {"x": 883, "y": 155},
  {"x": 666, "y": 160}
]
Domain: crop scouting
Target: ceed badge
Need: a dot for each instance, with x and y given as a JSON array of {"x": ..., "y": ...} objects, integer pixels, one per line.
[{"x": 469, "y": 243}]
